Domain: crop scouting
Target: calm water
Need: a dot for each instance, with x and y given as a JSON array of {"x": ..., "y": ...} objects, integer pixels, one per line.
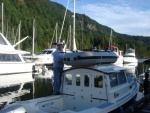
[{"x": 41, "y": 86}]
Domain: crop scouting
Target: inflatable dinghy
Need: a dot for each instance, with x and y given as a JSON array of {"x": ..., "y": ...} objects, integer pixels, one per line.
[{"x": 85, "y": 58}]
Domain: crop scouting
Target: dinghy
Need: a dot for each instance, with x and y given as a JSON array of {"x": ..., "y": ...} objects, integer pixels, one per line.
[{"x": 87, "y": 58}]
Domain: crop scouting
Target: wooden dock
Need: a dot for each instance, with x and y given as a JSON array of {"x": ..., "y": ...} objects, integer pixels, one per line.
[{"x": 141, "y": 106}]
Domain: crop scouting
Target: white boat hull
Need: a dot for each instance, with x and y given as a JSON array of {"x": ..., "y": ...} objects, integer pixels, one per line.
[
  {"x": 15, "y": 73},
  {"x": 16, "y": 68},
  {"x": 130, "y": 60}
]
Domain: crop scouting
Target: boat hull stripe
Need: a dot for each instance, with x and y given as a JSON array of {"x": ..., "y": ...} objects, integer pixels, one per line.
[
  {"x": 105, "y": 105},
  {"x": 123, "y": 97},
  {"x": 96, "y": 57}
]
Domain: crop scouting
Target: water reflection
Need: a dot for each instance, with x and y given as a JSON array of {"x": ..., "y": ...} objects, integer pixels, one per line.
[
  {"x": 12, "y": 91},
  {"x": 26, "y": 86}
]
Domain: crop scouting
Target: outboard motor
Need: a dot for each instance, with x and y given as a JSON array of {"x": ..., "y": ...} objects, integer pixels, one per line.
[{"x": 14, "y": 109}]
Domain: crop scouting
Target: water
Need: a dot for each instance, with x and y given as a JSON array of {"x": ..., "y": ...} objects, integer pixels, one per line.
[{"x": 42, "y": 86}]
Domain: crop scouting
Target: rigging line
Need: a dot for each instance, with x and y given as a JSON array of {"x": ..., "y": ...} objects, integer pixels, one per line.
[{"x": 63, "y": 21}]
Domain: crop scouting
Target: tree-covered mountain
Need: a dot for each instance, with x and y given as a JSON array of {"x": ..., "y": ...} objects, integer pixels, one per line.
[{"x": 46, "y": 13}]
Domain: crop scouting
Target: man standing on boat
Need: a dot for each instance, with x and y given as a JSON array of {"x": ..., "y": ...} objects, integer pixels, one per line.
[{"x": 58, "y": 56}]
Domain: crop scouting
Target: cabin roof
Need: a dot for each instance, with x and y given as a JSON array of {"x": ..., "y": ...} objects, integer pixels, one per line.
[{"x": 103, "y": 69}]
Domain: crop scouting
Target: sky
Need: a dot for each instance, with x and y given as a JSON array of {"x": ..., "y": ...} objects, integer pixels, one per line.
[{"x": 130, "y": 17}]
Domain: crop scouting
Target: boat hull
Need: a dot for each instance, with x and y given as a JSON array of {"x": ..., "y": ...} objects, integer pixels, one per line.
[
  {"x": 46, "y": 106},
  {"x": 130, "y": 60},
  {"x": 15, "y": 73}
]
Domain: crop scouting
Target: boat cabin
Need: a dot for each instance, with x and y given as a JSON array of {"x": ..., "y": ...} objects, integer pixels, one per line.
[{"x": 84, "y": 88}]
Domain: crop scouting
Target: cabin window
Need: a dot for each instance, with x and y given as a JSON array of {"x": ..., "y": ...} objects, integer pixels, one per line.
[
  {"x": 9, "y": 57},
  {"x": 78, "y": 79},
  {"x": 98, "y": 81},
  {"x": 117, "y": 79},
  {"x": 113, "y": 80},
  {"x": 121, "y": 77},
  {"x": 86, "y": 80},
  {"x": 68, "y": 79}
]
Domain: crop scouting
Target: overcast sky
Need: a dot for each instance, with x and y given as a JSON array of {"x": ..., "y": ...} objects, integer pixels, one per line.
[{"x": 130, "y": 17}]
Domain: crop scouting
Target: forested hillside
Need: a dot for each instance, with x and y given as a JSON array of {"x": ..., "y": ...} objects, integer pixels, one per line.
[{"x": 89, "y": 33}]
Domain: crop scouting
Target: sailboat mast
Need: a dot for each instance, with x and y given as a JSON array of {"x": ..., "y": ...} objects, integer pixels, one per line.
[
  {"x": 33, "y": 37},
  {"x": 2, "y": 19},
  {"x": 56, "y": 32},
  {"x": 74, "y": 43},
  {"x": 19, "y": 34},
  {"x": 110, "y": 41},
  {"x": 63, "y": 22}
]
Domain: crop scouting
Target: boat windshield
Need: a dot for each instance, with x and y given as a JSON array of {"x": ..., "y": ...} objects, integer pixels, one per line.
[
  {"x": 117, "y": 79},
  {"x": 130, "y": 51},
  {"x": 46, "y": 52},
  {"x": 2, "y": 41}
]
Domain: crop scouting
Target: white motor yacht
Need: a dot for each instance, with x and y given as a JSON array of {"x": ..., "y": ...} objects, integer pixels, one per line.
[
  {"x": 43, "y": 58},
  {"x": 129, "y": 56},
  {"x": 11, "y": 60}
]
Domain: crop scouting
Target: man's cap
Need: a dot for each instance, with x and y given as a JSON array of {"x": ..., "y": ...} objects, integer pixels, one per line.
[{"x": 60, "y": 43}]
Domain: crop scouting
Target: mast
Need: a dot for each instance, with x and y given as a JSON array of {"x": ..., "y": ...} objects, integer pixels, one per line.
[
  {"x": 56, "y": 31},
  {"x": 33, "y": 38},
  {"x": 110, "y": 41},
  {"x": 63, "y": 22},
  {"x": 2, "y": 19},
  {"x": 74, "y": 43},
  {"x": 70, "y": 37},
  {"x": 19, "y": 35}
]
